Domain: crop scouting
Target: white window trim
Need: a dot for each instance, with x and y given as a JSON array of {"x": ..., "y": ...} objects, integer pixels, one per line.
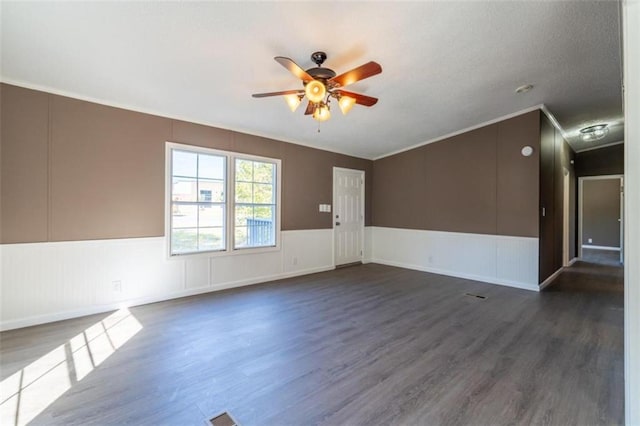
[{"x": 230, "y": 202}]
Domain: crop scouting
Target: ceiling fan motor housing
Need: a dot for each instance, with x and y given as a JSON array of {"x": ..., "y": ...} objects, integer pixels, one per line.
[{"x": 320, "y": 73}]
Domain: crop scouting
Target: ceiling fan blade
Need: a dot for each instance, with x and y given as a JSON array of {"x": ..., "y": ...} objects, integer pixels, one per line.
[
  {"x": 283, "y": 92},
  {"x": 360, "y": 73},
  {"x": 360, "y": 99},
  {"x": 310, "y": 109},
  {"x": 293, "y": 68}
]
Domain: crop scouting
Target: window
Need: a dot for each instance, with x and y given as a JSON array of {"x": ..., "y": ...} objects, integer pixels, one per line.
[
  {"x": 218, "y": 197},
  {"x": 255, "y": 204}
]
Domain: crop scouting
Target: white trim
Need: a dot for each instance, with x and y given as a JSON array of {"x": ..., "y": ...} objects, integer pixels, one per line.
[
  {"x": 362, "y": 211},
  {"x": 73, "y": 95},
  {"x": 581, "y": 180},
  {"x": 230, "y": 157},
  {"x": 574, "y": 260},
  {"x": 601, "y": 177},
  {"x": 587, "y": 246},
  {"x": 465, "y": 130},
  {"x": 59, "y": 316},
  {"x": 566, "y": 221},
  {"x": 606, "y": 145},
  {"x": 631, "y": 70},
  {"x": 456, "y": 274},
  {"x": 550, "y": 279}
]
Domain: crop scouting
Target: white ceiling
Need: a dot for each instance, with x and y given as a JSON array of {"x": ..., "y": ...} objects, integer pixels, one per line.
[{"x": 446, "y": 66}]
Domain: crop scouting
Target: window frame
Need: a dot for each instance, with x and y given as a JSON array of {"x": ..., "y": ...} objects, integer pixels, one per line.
[{"x": 230, "y": 158}]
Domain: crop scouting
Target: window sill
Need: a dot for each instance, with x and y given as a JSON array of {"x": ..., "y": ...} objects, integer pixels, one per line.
[{"x": 225, "y": 253}]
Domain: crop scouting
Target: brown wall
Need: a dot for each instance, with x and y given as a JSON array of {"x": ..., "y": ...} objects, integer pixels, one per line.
[
  {"x": 601, "y": 212},
  {"x": 599, "y": 162},
  {"x": 476, "y": 182},
  {"x": 75, "y": 170},
  {"x": 555, "y": 160},
  {"x": 547, "y": 223}
]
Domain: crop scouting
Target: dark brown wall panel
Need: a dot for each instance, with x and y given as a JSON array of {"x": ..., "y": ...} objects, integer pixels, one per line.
[
  {"x": 560, "y": 167},
  {"x": 197, "y": 134},
  {"x": 460, "y": 182},
  {"x": 309, "y": 183},
  {"x": 107, "y": 171},
  {"x": 307, "y": 173},
  {"x": 399, "y": 198},
  {"x": 600, "y": 162},
  {"x": 25, "y": 115},
  {"x": 103, "y": 176},
  {"x": 518, "y": 176},
  {"x": 547, "y": 174},
  {"x": 475, "y": 182}
]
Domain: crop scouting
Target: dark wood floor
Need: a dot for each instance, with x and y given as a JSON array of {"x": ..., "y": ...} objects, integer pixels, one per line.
[
  {"x": 603, "y": 257},
  {"x": 363, "y": 345}
]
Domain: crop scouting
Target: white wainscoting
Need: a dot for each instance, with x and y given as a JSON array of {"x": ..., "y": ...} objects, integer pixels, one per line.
[
  {"x": 368, "y": 244},
  {"x": 496, "y": 259},
  {"x": 44, "y": 282}
]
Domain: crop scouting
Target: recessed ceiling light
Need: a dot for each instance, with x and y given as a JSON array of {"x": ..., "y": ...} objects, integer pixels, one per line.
[
  {"x": 594, "y": 133},
  {"x": 524, "y": 89}
]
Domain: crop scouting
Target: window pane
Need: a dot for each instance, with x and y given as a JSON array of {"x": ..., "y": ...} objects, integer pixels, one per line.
[
  {"x": 240, "y": 237},
  {"x": 259, "y": 232},
  {"x": 263, "y": 193},
  {"x": 184, "y": 189},
  {"x": 211, "y": 166},
  {"x": 244, "y": 170},
  {"x": 242, "y": 214},
  {"x": 263, "y": 212},
  {"x": 211, "y": 191},
  {"x": 211, "y": 215},
  {"x": 184, "y": 215},
  {"x": 263, "y": 172},
  {"x": 185, "y": 164},
  {"x": 211, "y": 239},
  {"x": 184, "y": 240},
  {"x": 244, "y": 192}
]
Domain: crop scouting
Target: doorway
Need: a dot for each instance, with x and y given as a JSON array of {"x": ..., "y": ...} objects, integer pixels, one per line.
[
  {"x": 348, "y": 215},
  {"x": 600, "y": 218}
]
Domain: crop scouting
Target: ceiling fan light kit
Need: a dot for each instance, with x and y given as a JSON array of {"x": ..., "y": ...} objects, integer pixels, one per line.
[{"x": 321, "y": 84}]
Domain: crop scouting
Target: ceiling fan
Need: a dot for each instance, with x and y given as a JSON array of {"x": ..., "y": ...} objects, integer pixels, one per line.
[{"x": 321, "y": 84}]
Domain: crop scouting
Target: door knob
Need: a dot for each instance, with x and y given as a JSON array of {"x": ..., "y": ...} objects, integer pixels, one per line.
[{"x": 337, "y": 223}]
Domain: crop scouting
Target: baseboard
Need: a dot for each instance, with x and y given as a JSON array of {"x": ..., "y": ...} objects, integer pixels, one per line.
[
  {"x": 99, "y": 309},
  {"x": 488, "y": 280},
  {"x": 552, "y": 277},
  {"x": 574, "y": 260},
  {"x": 584, "y": 246}
]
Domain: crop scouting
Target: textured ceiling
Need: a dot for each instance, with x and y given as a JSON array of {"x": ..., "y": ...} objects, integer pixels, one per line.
[{"x": 446, "y": 66}]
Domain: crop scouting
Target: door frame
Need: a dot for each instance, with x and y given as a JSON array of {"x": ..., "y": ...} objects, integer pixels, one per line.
[
  {"x": 580, "y": 205},
  {"x": 566, "y": 189},
  {"x": 333, "y": 211}
]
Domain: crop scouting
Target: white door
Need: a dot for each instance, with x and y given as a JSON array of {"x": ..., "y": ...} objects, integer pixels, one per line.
[{"x": 348, "y": 215}]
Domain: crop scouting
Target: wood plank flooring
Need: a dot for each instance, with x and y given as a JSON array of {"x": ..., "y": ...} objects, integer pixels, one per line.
[{"x": 364, "y": 345}]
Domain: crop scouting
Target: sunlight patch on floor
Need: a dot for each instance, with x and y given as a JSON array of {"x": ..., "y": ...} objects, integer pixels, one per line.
[{"x": 32, "y": 389}]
